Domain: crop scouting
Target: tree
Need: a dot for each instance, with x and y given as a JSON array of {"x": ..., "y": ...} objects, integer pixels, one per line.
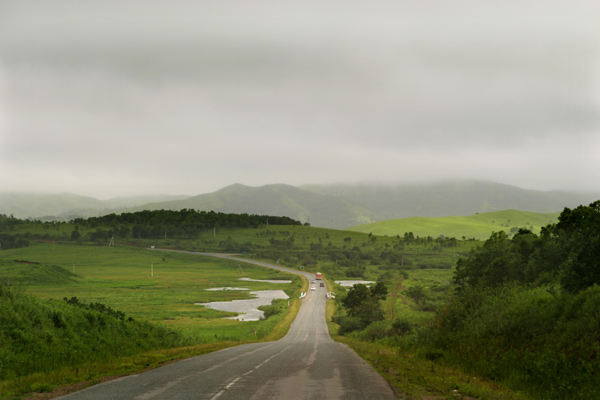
[
  {"x": 581, "y": 226},
  {"x": 416, "y": 293},
  {"x": 567, "y": 252},
  {"x": 499, "y": 261},
  {"x": 75, "y": 235},
  {"x": 364, "y": 303}
]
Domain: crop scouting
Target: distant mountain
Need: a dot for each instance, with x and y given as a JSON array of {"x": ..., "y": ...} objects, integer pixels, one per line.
[
  {"x": 328, "y": 206},
  {"x": 451, "y": 199},
  {"x": 67, "y": 205},
  {"x": 24, "y": 205},
  {"x": 280, "y": 200}
]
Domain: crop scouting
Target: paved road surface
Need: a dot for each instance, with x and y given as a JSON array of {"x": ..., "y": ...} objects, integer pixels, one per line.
[{"x": 305, "y": 364}]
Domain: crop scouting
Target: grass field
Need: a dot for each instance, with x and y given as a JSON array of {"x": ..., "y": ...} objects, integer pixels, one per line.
[
  {"x": 478, "y": 226},
  {"x": 121, "y": 277}
]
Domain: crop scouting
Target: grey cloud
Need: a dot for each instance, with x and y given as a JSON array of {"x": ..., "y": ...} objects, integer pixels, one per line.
[{"x": 318, "y": 89}]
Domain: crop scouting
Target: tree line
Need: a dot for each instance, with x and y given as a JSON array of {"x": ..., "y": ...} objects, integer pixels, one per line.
[
  {"x": 184, "y": 224},
  {"x": 565, "y": 253}
]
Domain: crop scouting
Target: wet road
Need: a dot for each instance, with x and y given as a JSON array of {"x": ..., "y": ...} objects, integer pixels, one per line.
[{"x": 305, "y": 364}]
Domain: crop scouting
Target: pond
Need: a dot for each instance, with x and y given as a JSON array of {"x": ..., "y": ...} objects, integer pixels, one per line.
[
  {"x": 266, "y": 280},
  {"x": 248, "y": 309},
  {"x": 350, "y": 283}
]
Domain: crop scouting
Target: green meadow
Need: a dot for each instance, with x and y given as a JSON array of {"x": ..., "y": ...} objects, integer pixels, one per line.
[
  {"x": 478, "y": 226},
  {"x": 159, "y": 287}
]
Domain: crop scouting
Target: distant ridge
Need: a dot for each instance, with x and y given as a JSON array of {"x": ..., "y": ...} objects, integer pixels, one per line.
[
  {"x": 277, "y": 199},
  {"x": 338, "y": 206},
  {"x": 343, "y": 206},
  {"x": 458, "y": 198},
  {"x": 68, "y": 205}
]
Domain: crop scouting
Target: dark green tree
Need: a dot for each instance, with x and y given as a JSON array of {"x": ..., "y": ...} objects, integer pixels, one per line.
[
  {"x": 581, "y": 226},
  {"x": 364, "y": 303}
]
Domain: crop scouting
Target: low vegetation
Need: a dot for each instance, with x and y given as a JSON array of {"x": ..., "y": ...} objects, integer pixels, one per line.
[
  {"x": 38, "y": 336},
  {"x": 522, "y": 314}
]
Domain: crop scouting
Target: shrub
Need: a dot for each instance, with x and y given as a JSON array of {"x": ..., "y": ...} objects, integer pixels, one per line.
[
  {"x": 401, "y": 327},
  {"x": 349, "y": 324},
  {"x": 377, "y": 330}
]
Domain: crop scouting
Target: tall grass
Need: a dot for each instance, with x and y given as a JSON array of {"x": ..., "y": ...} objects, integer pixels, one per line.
[
  {"x": 543, "y": 342},
  {"x": 38, "y": 335}
]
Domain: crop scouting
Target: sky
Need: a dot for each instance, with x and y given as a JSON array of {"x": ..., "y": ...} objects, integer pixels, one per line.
[{"x": 122, "y": 98}]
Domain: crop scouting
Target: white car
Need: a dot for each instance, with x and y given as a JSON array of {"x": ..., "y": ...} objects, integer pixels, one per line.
[{"x": 313, "y": 288}]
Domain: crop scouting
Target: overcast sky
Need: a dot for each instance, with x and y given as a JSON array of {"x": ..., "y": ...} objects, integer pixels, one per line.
[{"x": 116, "y": 98}]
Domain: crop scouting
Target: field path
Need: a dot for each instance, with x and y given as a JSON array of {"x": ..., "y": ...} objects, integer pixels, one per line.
[{"x": 305, "y": 364}]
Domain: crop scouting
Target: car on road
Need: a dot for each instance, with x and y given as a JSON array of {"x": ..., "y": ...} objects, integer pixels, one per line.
[
  {"x": 313, "y": 288},
  {"x": 322, "y": 284}
]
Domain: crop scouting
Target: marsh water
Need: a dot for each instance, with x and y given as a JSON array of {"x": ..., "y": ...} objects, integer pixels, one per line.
[{"x": 248, "y": 308}]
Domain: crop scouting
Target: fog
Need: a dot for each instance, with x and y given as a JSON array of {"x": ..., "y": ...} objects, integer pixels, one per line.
[{"x": 109, "y": 99}]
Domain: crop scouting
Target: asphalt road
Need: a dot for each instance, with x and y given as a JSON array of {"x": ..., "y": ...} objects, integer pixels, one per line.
[{"x": 305, "y": 364}]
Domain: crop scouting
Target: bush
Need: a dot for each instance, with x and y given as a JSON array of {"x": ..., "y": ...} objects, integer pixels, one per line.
[
  {"x": 377, "y": 330},
  {"x": 349, "y": 324},
  {"x": 401, "y": 327},
  {"x": 538, "y": 340},
  {"x": 269, "y": 311}
]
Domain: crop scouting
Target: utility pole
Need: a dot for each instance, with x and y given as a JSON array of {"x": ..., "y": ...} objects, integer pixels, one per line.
[{"x": 151, "y": 269}]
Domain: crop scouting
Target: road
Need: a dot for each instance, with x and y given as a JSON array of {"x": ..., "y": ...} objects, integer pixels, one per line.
[{"x": 305, "y": 364}]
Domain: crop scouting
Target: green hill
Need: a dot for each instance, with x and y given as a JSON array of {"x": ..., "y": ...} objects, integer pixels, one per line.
[
  {"x": 479, "y": 226},
  {"x": 279, "y": 200}
]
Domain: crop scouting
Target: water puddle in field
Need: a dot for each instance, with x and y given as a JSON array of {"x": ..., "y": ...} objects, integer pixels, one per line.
[
  {"x": 248, "y": 309},
  {"x": 266, "y": 280},
  {"x": 350, "y": 283},
  {"x": 227, "y": 288}
]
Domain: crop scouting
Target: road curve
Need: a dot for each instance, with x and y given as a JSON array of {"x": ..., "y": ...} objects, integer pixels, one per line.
[{"x": 305, "y": 364}]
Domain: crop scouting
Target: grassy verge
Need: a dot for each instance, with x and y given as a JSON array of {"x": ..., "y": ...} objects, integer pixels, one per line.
[
  {"x": 56, "y": 383},
  {"x": 416, "y": 378}
]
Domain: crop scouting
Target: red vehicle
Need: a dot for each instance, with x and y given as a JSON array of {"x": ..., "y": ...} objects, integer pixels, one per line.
[{"x": 318, "y": 275}]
